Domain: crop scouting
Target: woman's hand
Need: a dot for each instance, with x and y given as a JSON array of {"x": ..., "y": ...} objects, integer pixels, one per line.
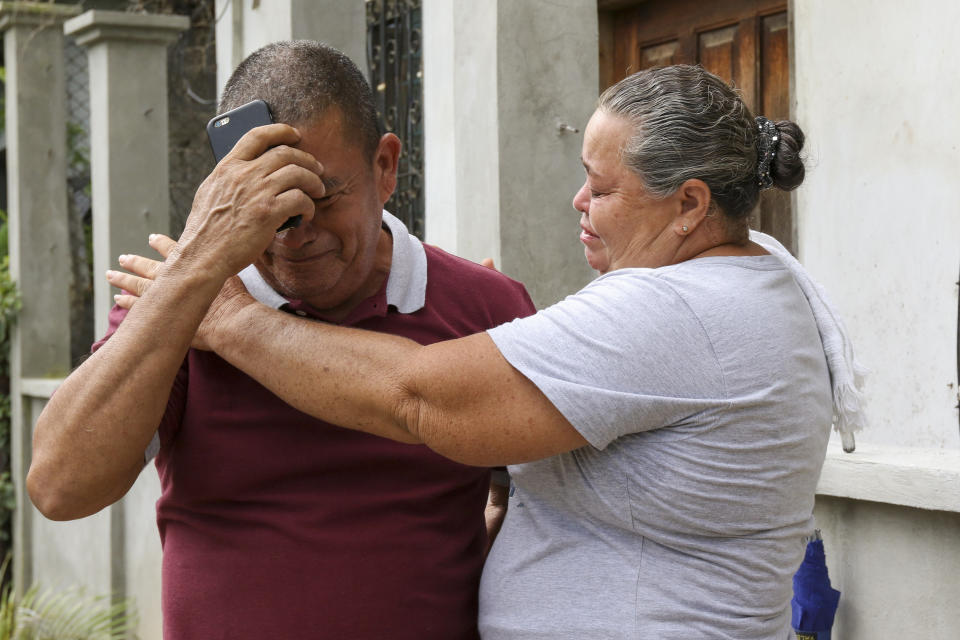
[{"x": 232, "y": 297}]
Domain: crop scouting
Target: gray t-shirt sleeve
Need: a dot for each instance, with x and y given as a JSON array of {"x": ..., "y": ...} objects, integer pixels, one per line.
[{"x": 624, "y": 355}]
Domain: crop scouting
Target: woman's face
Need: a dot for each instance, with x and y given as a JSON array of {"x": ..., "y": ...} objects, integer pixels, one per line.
[{"x": 620, "y": 225}]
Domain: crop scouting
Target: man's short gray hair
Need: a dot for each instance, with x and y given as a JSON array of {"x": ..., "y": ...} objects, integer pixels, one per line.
[
  {"x": 300, "y": 80},
  {"x": 688, "y": 123}
]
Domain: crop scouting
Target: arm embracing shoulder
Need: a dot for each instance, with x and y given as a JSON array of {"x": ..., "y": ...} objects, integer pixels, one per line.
[
  {"x": 459, "y": 397},
  {"x": 474, "y": 407}
]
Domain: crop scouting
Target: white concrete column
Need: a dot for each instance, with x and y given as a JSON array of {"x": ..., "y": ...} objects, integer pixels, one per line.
[
  {"x": 244, "y": 27},
  {"x": 128, "y": 134},
  {"x": 129, "y": 174},
  {"x": 37, "y": 229},
  {"x": 504, "y": 84}
]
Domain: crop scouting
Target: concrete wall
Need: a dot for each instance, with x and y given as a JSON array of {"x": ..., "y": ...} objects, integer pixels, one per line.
[
  {"x": 244, "y": 27},
  {"x": 897, "y": 569},
  {"x": 875, "y": 89},
  {"x": 878, "y": 220},
  {"x": 500, "y": 81},
  {"x": 461, "y": 128}
]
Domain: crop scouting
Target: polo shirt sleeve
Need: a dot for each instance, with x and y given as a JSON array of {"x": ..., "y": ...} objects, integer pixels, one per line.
[{"x": 511, "y": 302}]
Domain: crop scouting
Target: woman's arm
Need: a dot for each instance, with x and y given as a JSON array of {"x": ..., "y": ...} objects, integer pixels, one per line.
[{"x": 459, "y": 397}]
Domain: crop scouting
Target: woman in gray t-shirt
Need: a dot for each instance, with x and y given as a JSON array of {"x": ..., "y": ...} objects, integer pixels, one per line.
[{"x": 665, "y": 426}]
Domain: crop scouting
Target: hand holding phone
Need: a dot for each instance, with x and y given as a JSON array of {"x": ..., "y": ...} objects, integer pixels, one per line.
[{"x": 226, "y": 129}]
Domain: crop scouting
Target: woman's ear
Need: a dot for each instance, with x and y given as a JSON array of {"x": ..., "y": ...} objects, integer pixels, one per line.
[{"x": 695, "y": 200}]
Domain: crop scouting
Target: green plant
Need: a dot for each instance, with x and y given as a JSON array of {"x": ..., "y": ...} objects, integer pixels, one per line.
[
  {"x": 9, "y": 308},
  {"x": 71, "y": 614}
]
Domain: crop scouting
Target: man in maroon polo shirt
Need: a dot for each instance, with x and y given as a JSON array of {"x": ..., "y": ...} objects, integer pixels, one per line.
[{"x": 274, "y": 524}]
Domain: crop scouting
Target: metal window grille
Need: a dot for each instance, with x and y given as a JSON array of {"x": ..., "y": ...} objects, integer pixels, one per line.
[
  {"x": 78, "y": 199},
  {"x": 395, "y": 65},
  {"x": 191, "y": 95}
]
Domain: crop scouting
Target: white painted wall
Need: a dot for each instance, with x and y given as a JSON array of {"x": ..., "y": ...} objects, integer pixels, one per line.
[
  {"x": 461, "y": 128},
  {"x": 898, "y": 569},
  {"x": 499, "y": 77},
  {"x": 878, "y": 92},
  {"x": 243, "y": 27},
  {"x": 142, "y": 553}
]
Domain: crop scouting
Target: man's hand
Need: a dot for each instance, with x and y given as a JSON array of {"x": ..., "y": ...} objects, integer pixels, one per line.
[
  {"x": 258, "y": 185},
  {"x": 144, "y": 271},
  {"x": 496, "y": 510}
]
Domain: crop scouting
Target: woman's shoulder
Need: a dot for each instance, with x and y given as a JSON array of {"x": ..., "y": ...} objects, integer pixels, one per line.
[{"x": 723, "y": 277}]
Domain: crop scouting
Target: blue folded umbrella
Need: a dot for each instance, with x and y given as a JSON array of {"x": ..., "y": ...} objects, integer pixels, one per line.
[{"x": 814, "y": 601}]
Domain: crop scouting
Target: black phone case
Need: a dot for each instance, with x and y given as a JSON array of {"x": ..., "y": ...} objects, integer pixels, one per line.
[{"x": 226, "y": 129}]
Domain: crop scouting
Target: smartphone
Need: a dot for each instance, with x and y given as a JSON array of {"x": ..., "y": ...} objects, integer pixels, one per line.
[{"x": 226, "y": 129}]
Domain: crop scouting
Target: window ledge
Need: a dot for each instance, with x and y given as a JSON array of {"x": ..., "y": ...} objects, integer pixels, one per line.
[
  {"x": 911, "y": 477},
  {"x": 39, "y": 387}
]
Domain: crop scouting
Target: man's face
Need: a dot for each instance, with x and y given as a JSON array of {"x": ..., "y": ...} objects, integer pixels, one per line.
[{"x": 331, "y": 258}]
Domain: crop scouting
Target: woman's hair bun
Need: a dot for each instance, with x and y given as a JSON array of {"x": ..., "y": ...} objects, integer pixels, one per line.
[{"x": 787, "y": 168}]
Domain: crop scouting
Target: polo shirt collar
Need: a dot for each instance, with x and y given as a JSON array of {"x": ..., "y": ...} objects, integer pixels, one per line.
[{"x": 406, "y": 284}]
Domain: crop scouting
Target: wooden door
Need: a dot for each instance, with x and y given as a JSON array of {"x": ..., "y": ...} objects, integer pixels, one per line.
[{"x": 745, "y": 42}]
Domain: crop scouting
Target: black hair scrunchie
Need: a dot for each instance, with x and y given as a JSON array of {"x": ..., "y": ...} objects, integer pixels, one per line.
[{"x": 767, "y": 142}]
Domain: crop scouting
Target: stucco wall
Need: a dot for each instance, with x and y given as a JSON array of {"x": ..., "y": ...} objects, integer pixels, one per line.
[
  {"x": 339, "y": 23},
  {"x": 896, "y": 567},
  {"x": 879, "y": 222},
  {"x": 499, "y": 79},
  {"x": 879, "y": 225}
]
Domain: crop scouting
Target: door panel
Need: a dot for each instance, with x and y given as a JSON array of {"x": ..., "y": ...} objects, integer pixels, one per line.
[
  {"x": 716, "y": 50},
  {"x": 775, "y": 214},
  {"x": 659, "y": 55},
  {"x": 774, "y": 67}
]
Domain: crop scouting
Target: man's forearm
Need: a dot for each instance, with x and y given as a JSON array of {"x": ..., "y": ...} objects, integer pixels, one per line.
[{"x": 89, "y": 440}]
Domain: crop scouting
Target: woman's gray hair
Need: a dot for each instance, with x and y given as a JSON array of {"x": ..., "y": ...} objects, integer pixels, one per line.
[{"x": 688, "y": 123}]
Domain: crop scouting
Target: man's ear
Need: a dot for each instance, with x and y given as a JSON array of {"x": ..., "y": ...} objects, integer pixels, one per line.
[
  {"x": 695, "y": 199},
  {"x": 385, "y": 162}
]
